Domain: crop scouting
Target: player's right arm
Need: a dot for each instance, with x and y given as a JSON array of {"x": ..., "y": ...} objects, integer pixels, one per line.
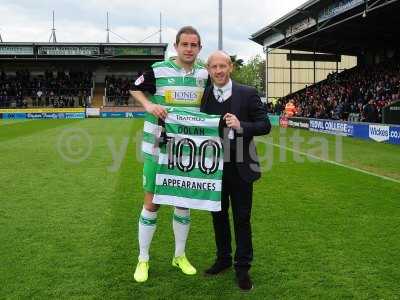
[
  {"x": 146, "y": 83},
  {"x": 154, "y": 109}
]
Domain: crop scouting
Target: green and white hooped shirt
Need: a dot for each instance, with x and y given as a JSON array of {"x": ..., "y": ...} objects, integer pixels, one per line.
[
  {"x": 190, "y": 162},
  {"x": 170, "y": 86}
]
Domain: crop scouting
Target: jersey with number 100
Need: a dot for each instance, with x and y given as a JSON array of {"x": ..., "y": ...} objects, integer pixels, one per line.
[{"x": 190, "y": 164}]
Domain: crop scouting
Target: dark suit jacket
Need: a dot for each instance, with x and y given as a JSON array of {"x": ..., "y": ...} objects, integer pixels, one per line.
[{"x": 246, "y": 105}]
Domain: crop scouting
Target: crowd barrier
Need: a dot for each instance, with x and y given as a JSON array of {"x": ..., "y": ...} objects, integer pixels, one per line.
[
  {"x": 369, "y": 131},
  {"x": 119, "y": 114},
  {"x": 67, "y": 113},
  {"x": 43, "y": 113}
]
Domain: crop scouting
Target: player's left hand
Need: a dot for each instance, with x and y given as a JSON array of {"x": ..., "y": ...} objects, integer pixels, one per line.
[{"x": 232, "y": 121}]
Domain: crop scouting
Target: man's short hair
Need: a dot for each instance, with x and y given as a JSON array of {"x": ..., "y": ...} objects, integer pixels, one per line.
[
  {"x": 222, "y": 53},
  {"x": 187, "y": 30}
]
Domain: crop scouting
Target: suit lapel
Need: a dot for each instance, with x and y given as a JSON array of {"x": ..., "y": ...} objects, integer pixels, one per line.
[{"x": 235, "y": 105}]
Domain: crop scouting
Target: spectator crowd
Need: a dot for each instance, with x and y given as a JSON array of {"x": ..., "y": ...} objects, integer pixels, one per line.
[
  {"x": 117, "y": 90},
  {"x": 358, "y": 94},
  {"x": 52, "y": 89}
]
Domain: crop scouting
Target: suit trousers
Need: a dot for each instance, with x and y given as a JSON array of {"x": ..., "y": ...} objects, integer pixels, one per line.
[{"x": 239, "y": 193}]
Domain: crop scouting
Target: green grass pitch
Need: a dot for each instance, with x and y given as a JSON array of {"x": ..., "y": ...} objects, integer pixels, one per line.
[{"x": 68, "y": 225}]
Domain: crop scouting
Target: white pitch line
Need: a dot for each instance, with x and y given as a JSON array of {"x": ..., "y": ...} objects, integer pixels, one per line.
[{"x": 336, "y": 163}]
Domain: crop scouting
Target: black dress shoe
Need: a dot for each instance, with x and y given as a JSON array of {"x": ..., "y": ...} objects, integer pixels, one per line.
[
  {"x": 244, "y": 282},
  {"x": 218, "y": 267}
]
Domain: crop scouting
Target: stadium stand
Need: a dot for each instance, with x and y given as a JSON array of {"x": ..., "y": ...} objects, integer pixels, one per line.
[
  {"x": 51, "y": 89},
  {"x": 358, "y": 94},
  {"x": 320, "y": 31},
  {"x": 117, "y": 90},
  {"x": 101, "y": 73}
]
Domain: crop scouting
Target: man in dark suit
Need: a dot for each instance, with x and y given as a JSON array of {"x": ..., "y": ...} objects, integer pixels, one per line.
[{"x": 244, "y": 117}]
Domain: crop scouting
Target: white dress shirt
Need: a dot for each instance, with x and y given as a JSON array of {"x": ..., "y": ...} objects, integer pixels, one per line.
[{"x": 224, "y": 92}]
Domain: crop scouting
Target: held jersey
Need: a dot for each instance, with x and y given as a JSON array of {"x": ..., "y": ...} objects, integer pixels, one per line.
[
  {"x": 173, "y": 88},
  {"x": 190, "y": 162}
]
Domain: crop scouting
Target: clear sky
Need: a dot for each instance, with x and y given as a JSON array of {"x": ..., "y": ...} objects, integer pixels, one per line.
[{"x": 84, "y": 21}]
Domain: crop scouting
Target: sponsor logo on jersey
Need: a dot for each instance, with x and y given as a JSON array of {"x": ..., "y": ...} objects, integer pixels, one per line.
[
  {"x": 183, "y": 97},
  {"x": 190, "y": 118}
]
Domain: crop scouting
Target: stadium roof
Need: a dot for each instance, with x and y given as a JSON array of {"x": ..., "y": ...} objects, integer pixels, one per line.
[
  {"x": 82, "y": 51},
  {"x": 84, "y": 44},
  {"x": 350, "y": 27}
]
